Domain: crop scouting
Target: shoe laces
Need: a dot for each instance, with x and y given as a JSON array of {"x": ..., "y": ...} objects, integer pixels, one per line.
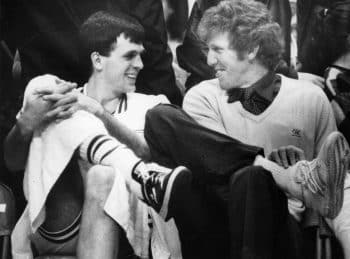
[{"x": 310, "y": 177}]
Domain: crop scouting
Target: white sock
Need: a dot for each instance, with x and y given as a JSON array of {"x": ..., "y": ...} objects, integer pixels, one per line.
[{"x": 279, "y": 174}]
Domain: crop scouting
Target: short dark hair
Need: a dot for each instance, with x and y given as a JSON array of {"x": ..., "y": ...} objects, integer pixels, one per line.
[
  {"x": 100, "y": 31},
  {"x": 249, "y": 25}
]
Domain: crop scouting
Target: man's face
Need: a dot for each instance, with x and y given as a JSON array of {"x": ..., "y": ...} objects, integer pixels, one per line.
[
  {"x": 122, "y": 66},
  {"x": 229, "y": 68}
]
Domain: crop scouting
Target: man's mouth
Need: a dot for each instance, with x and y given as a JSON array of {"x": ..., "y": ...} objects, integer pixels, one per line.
[
  {"x": 219, "y": 72},
  {"x": 131, "y": 76}
]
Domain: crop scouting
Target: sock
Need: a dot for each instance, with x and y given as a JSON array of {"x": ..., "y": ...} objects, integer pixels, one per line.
[
  {"x": 106, "y": 150},
  {"x": 279, "y": 174}
]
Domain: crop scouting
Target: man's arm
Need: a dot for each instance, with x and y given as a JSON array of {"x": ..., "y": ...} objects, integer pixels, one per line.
[
  {"x": 16, "y": 145},
  {"x": 35, "y": 112},
  {"x": 125, "y": 135},
  {"x": 115, "y": 128}
]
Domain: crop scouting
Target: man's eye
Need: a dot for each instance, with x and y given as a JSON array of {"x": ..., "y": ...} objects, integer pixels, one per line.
[
  {"x": 130, "y": 56},
  {"x": 217, "y": 50}
]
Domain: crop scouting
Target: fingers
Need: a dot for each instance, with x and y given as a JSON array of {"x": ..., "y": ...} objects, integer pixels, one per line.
[
  {"x": 300, "y": 154},
  {"x": 62, "y": 87},
  {"x": 65, "y": 87},
  {"x": 283, "y": 157},
  {"x": 60, "y": 100},
  {"x": 287, "y": 156},
  {"x": 274, "y": 156},
  {"x": 292, "y": 156},
  {"x": 66, "y": 114},
  {"x": 60, "y": 113}
]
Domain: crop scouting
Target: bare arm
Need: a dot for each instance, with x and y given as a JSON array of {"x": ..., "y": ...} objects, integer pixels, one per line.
[
  {"x": 115, "y": 128},
  {"x": 16, "y": 145},
  {"x": 125, "y": 135},
  {"x": 35, "y": 112}
]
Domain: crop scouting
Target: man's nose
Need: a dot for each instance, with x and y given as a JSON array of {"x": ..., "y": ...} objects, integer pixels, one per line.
[{"x": 211, "y": 58}]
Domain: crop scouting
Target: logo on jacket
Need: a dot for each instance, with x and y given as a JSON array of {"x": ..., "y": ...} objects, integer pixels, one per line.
[{"x": 296, "y": 133}]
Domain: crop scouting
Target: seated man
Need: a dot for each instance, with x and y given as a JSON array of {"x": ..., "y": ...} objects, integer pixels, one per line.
[
  {"x": 114, "y": 45},
  {"x": 247, "y": 101},
  {"x": 179, "y": 193}
]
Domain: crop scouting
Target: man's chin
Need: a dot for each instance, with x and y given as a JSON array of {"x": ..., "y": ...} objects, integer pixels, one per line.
[
  {"x": 224, "y": 85},
  {"x": 131, "y": 88}
]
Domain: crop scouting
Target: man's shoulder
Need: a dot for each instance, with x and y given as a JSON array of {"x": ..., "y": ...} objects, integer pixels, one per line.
[
  {"x": 207, "y": 88},
  {"x": 147, "y": 98},
  {"x": 302, "y": 87}
]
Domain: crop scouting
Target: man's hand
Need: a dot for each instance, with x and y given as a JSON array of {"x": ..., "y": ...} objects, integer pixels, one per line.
[
  {"x": 287, "y": 155},
  {"x": 74, "y": 101},
  {"x": 37, "y": 110}
]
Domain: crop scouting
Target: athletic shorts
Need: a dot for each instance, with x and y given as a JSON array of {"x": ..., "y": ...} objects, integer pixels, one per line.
[{"x": 63, "y": 242}]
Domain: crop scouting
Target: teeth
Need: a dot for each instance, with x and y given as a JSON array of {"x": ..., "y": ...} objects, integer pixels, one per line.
[{"x": 218, "y": 73}]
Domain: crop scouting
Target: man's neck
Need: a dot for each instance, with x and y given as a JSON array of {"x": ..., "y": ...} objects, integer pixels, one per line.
[
  {"x": 101, "y": 92},
  {"x": 254, "y": 74}
]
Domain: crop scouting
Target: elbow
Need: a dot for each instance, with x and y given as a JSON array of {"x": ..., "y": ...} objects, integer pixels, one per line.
[{"x": 11, "y": 161}]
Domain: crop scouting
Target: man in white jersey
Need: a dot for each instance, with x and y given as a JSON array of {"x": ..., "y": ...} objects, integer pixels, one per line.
[{"x": 113, "y": 47}]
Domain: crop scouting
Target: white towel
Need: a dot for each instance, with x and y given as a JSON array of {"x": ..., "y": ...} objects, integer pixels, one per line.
[{"x": 50, "y": 151}]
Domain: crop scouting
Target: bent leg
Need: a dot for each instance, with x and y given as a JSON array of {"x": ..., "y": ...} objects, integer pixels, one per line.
[
  {"x": 201, "y": 221},
  {"x": 259, "y": 222},
  {"x": 176, "y": 139},
  {"x": 98, "y": 236}
]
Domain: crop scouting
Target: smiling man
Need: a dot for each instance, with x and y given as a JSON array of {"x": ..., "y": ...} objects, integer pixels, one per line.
[
  {"x": 75, "y": 219},
  {"x": 250, "y": 103},
  {"x": 248, "y": 100}
]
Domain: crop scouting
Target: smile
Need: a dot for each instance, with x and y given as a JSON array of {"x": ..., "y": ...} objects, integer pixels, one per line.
[
  {"x": 132, "y": 76},
  {"x": 219, "y": 72}
]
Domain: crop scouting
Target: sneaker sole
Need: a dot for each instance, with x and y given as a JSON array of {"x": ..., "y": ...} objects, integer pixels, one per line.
[
  {"x": 336, "y": 162},
  {"x": 165, "y": 205}
]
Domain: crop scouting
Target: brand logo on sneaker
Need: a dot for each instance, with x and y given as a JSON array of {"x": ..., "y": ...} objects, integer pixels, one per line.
[{"x": 296, "y": 133}]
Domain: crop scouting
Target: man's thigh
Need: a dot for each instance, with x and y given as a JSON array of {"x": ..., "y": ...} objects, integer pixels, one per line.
[{"x": 65, "y": 200}]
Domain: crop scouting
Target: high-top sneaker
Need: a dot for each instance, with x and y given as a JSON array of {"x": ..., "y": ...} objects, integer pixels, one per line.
[
  {"x": 156, "y": 183},
  {"x": 322, "y": 179},
  {"x": 318, "y": 183}
]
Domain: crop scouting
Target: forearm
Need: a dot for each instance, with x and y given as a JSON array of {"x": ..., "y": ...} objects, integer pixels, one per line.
[
  {"x": 125, "y": 135},
  {"x": 16, "y": 146}
]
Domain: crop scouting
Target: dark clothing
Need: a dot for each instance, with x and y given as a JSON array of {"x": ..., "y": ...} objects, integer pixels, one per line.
[
  {"x": 313, "y": 49},
  {"x": 253, "y": 98},
  {"x": 225, "y": 208},
  {"x": 47, "y": 36},
  {"x": 191, "y": 55},
  {"x": 344, "y": 127},
  {"x": 194, "y": 146}
]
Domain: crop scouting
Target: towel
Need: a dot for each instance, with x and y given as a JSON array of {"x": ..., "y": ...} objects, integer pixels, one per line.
[{"x": 50, "y": 151}]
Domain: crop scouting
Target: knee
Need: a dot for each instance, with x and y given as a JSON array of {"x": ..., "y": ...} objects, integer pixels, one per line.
[
  {"x": 99, "y": 182},
  {"x": 160, "y": 112}
]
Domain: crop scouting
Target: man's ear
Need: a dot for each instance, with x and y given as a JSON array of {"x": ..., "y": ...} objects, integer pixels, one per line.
[
  {"x": 96, "y": 61},
  {"x": 252, "y": 54}
]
